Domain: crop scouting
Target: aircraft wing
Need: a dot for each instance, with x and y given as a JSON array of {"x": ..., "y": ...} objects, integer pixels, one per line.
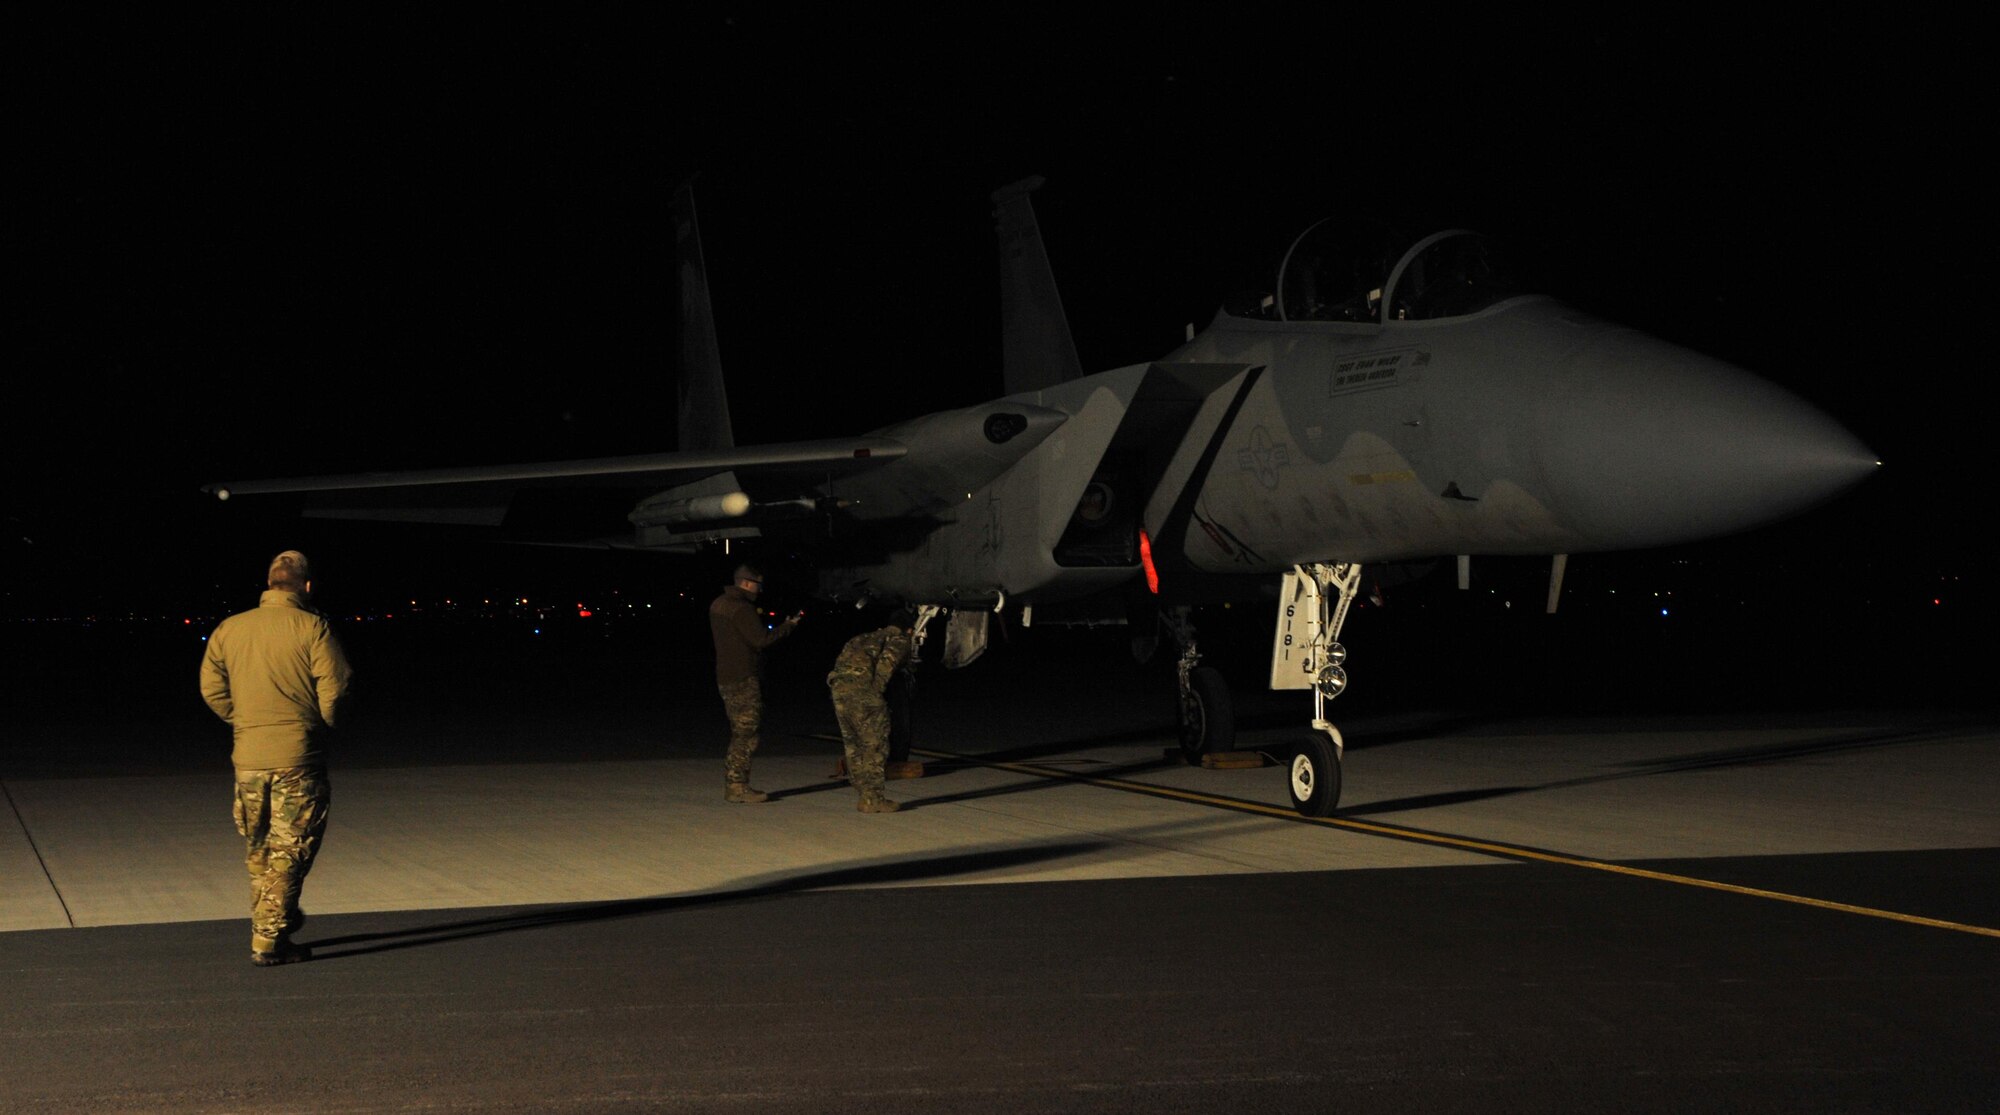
[
  {"x": 912, "y": 470},
  {"x": 841, "y": 456}
]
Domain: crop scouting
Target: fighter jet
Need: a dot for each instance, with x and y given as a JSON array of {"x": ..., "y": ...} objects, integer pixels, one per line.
[{"x": 1388, "y": 400}]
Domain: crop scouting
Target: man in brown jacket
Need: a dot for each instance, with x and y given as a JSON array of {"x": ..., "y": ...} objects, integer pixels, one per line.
[
  {"x": 276, "y": 674},
  {"x": 740, "y": 641}
]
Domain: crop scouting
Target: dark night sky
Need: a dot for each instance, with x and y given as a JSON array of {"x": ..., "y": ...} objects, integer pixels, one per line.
[{"x": 254, "y": 243}]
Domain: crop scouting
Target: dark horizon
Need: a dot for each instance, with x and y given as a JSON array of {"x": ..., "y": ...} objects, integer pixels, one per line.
[{"x": 253, "y": 254}]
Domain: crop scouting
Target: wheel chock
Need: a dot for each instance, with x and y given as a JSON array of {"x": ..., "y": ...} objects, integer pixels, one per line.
[
  {"x": 891, "y": 771},
  {"x": 1234, "y": 760}
]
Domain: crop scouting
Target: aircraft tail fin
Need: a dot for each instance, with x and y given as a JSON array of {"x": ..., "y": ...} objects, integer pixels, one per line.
[
  {"x": 703, "y": 400},
  {"x": 1037, "y": 351}
]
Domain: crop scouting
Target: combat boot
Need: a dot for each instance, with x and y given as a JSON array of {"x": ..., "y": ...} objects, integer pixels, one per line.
[
  {"x": 741, "y": 793},
  {"x": 285, "y": 953},
  {"x": 876, "y": 803}
]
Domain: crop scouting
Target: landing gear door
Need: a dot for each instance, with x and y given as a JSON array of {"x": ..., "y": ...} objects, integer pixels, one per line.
[
  {"x": 964, "y": 637},
  {"x": 1295, "y": 648}
]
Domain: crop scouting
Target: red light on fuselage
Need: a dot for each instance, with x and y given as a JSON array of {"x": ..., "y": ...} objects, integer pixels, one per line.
[{"x": 1146, "y": 560}]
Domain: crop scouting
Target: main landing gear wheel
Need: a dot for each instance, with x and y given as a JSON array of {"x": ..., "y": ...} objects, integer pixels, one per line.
[
  {"x": 1207, "y": 720},
  {"x": 1315, "y": 778}
]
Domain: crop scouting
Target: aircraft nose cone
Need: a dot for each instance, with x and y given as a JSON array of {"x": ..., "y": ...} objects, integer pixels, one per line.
[{"x": 1681, "y": 446}]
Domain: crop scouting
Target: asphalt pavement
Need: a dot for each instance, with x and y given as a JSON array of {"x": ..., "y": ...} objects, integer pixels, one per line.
[{"x": 533, "y": 897}]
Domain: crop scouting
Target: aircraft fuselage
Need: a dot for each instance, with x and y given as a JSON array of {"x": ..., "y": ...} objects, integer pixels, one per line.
[{"x": 1525, "y": 428}]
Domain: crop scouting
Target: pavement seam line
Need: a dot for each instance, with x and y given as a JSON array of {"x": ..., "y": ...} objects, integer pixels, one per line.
[
  {"x": 37, "y": 849},
  {"x": 1508, "y": 851}
]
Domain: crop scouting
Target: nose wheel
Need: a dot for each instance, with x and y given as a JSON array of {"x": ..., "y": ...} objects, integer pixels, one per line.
[{"x": 1314, "y": 780}]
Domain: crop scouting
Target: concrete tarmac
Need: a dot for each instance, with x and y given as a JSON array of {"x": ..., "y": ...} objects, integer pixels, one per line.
[{"x": 1515, "y": 911}]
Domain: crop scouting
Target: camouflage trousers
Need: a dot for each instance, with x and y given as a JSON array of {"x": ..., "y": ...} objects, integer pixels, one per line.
[
  {"x": 743, "y": 701},
  {"x": 282, "y": 816},
  {"x": 864, "y": 734}
]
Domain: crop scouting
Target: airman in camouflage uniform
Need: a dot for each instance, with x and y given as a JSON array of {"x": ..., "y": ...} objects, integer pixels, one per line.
[
  {"x": 275, "y": 674},
  {"x": 860, "y": 675},
  {"x": 281, "y": 815},
  {"x": 740, "y": 641}
]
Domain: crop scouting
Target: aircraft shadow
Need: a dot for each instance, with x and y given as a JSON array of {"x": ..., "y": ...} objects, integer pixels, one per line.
[
  {"x": 938, "y": 768},
  {"x": 832, "y": 782},
  {"x": 1673, "y": 764},
  {"x": 1037, "y": 782},
  {"x": 1362, "y": 731},
  {"x": 893, "y": 872},
  {"x": 1796, "y": 749},
  {"x": 1431, "y": 726},
  {"x": 934, "y": 768}
]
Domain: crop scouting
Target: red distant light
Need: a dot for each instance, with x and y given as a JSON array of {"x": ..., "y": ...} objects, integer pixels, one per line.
[
  {"x": 583, "y": 613},
  {"x": 1146, "y": 560}
]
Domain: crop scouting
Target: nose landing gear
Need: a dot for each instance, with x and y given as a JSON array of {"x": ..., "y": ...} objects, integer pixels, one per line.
[{"x": 1306, "y": 654}]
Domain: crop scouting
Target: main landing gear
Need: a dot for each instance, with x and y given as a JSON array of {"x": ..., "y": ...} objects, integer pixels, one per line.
[{"x": 1207, "y": 717}]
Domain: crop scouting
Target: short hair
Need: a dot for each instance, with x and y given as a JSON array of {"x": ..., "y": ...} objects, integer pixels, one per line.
[
  {"x": 290, "y": 571},
  {"x": 747, "y": 573}
]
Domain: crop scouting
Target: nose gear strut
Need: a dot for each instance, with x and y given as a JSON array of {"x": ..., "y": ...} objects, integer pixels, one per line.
[{"x": 1306, "y": 654}]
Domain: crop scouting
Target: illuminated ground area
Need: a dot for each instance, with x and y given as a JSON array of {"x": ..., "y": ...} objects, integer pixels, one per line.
[{"x": 533, "y": 897}]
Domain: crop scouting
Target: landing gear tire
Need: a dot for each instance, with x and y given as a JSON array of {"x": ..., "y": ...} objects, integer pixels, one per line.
[
  {"x": 1208, "y": 720},
  {"x": 1314, "y": 781}
]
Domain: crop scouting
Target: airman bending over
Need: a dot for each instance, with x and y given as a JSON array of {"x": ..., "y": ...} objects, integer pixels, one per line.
[{"x": 860, "y": 675}]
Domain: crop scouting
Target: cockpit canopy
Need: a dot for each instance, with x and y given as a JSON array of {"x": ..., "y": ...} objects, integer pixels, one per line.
[{"x": 1368, "y": 273}]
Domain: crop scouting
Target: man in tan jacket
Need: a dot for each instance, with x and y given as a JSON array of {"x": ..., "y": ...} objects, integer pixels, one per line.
[{"x": 276, "y": 674}]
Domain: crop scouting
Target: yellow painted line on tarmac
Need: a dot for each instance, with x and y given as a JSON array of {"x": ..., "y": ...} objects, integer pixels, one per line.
[{"x": 1509, "y": 851}]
